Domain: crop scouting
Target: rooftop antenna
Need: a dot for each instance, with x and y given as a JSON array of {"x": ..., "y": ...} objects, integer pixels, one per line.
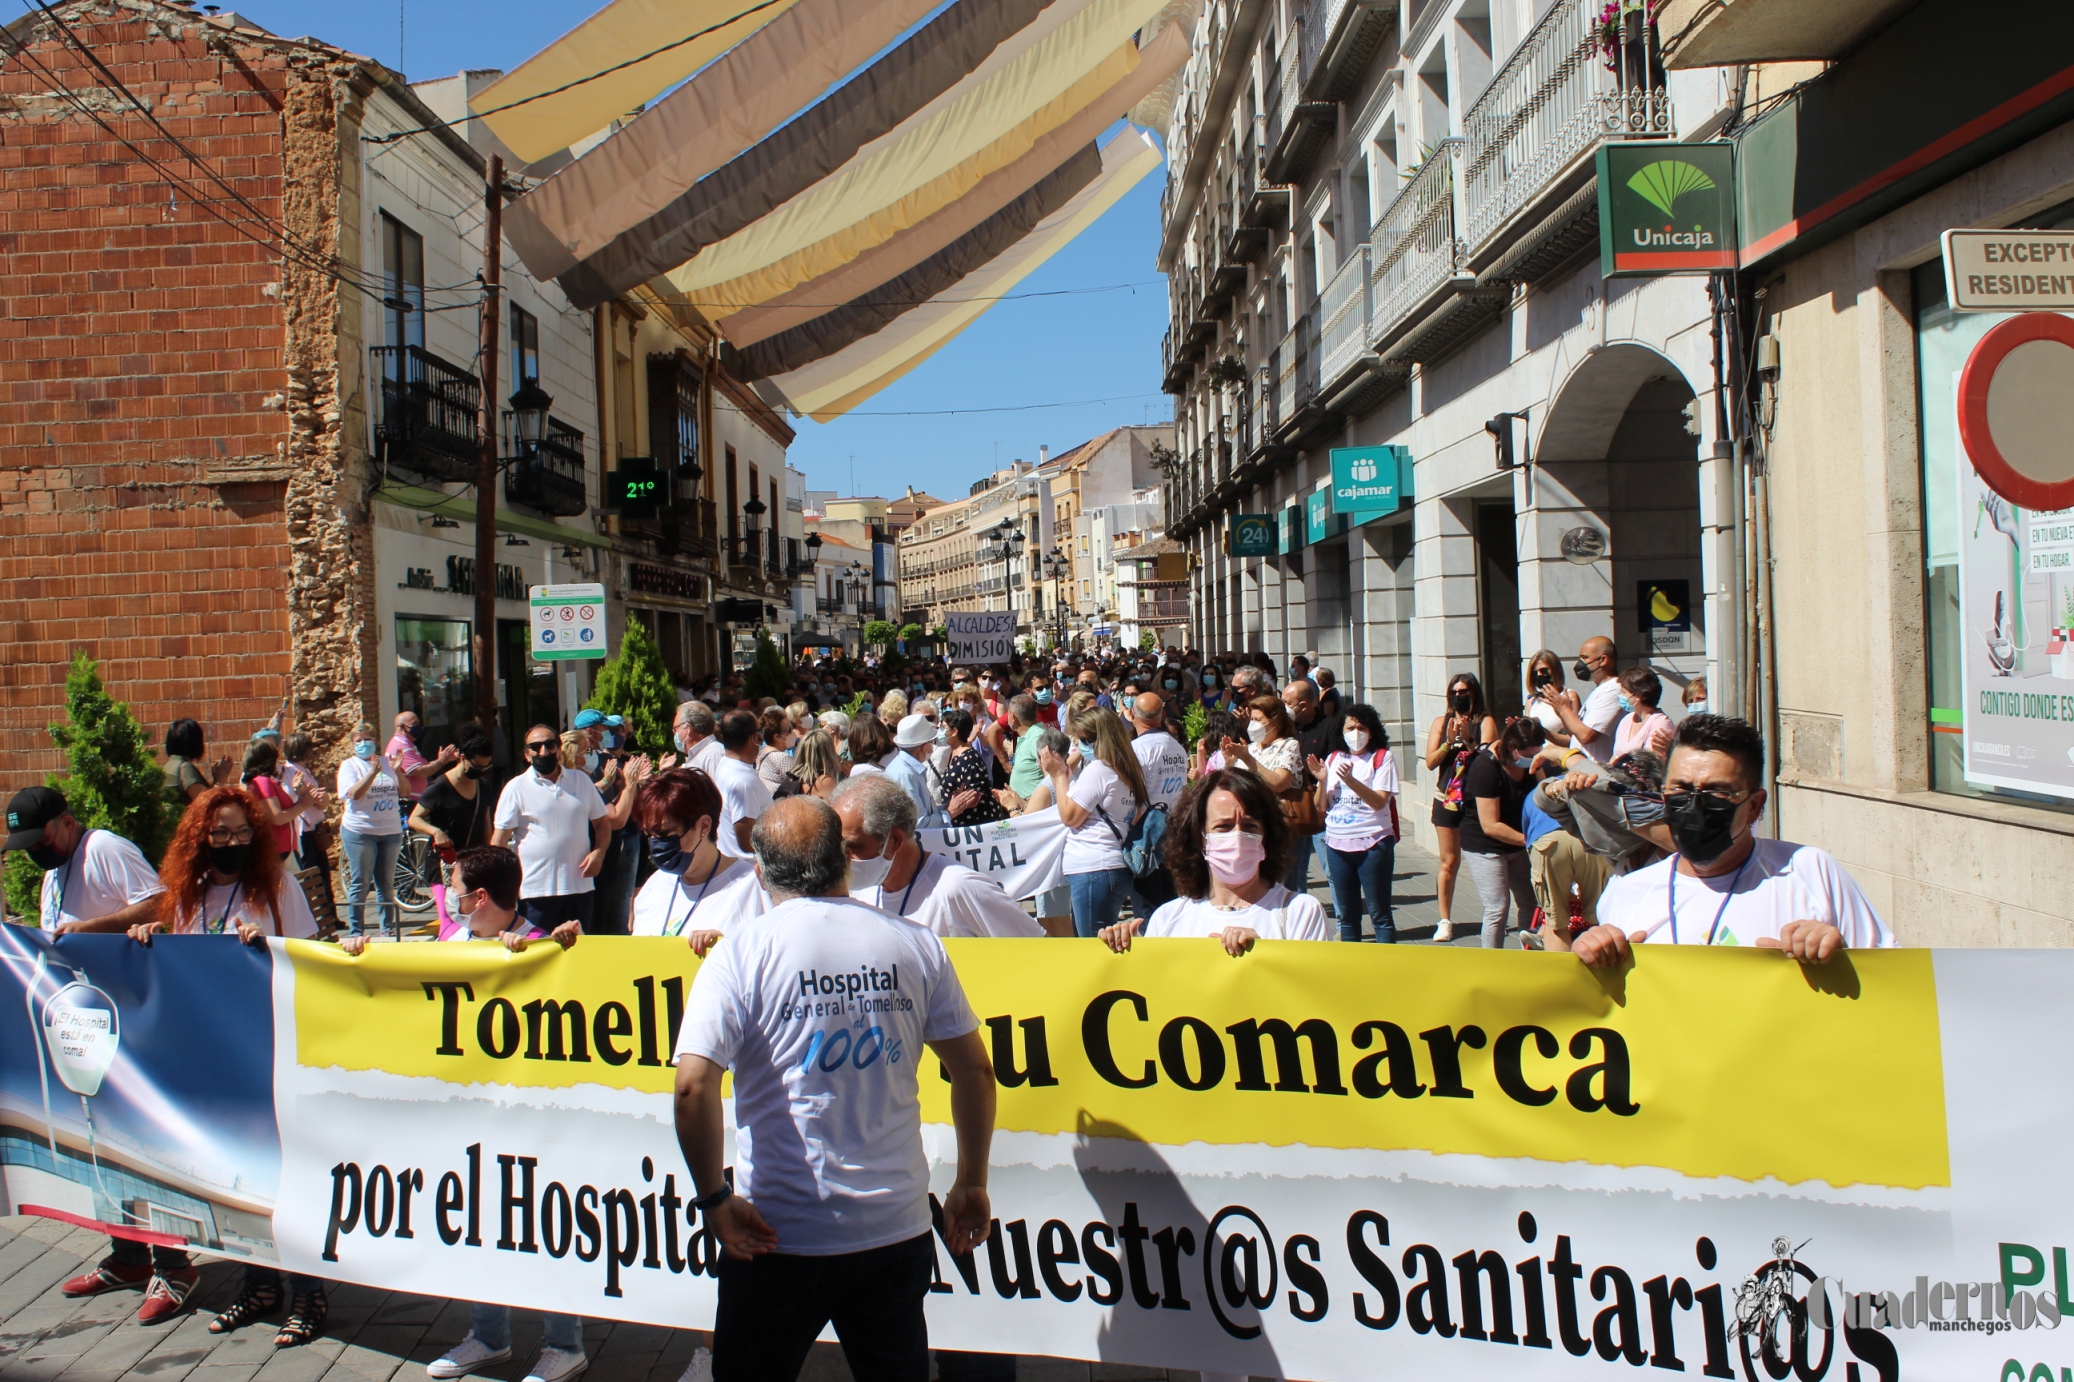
[{"x": 399, "y": 34}]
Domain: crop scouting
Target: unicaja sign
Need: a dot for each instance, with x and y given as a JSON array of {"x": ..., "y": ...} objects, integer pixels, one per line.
[{"x": 1666, "y": 208}]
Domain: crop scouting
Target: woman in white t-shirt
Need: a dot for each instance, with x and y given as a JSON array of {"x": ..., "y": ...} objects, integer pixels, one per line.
[
  {"x": 1544, "y": 683},
  {"x": 1357, "y": 796},
  {"x": 697, "y": 891},
  {"x": 1227, "y": 848},
  {"x": 1098, "y": 809},
  {"x": 370, "y": 829}
]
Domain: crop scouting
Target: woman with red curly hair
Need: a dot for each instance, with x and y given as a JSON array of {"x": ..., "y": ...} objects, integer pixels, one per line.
[{"x": 222, "y": 875}]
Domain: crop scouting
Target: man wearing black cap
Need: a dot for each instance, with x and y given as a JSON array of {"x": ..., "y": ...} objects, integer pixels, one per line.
[{"x": 93, "y": 880}]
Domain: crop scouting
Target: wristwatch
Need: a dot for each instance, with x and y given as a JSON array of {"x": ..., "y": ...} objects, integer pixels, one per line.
[{"x": 713, "y": 1199}]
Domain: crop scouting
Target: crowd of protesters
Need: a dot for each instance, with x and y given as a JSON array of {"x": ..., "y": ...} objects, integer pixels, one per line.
[{"x": 1196, "y": 793}]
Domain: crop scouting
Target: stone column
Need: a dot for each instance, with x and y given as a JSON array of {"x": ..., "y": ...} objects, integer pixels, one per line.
[{"x": 1561, "y": 602}]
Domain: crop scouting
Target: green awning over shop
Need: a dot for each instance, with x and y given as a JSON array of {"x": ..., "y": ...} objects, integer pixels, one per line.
[{"x": 463, "y": 508}]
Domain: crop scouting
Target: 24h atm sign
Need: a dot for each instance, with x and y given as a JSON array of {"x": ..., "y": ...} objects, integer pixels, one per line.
[{"x": 1666, "y": 208}]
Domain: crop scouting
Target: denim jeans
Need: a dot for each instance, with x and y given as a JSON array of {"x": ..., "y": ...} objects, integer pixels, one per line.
[
  {"x": 1354, "y": 873},
  {"x": 1299, "y": 880},
  {"x": 491, "y": 1325},
  {"x": 1098, "y": 899},
  {"x": 371, "y": 859}
]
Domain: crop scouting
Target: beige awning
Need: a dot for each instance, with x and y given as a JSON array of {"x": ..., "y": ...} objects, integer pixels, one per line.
[
  {"x": 744, "y": 95},
  {"x": 832, "y": 386},
  {"x": 947, "y": 141},
  {"x": 890, "y": 258},
  {"x": 622, "y": 30}
]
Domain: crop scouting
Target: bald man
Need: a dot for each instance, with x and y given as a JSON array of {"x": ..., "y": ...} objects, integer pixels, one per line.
[
  {"x": 1162, "y": 756},
  {"x": 1591, "y": 721}
]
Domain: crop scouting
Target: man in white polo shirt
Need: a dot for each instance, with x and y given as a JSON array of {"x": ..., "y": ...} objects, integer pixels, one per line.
[
  {"x": 890, "y": 870},
  {"x": 93, "y": 880},
  {"x": 556, "y": 821},
  {"x": 743, "y": 795},
  {"x": 822, "y": 1009},
  {"x": 1725, "y": 886}
]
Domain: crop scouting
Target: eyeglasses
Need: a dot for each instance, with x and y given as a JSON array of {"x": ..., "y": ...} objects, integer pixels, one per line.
[
  {"x": 1713, "y": 794},
  {"x": 231, "y": 837},
  {"x": 540, "y": 746}
]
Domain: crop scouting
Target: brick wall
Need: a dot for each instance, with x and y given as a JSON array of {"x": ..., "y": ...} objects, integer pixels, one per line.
[{"x": 149, "y": 431}]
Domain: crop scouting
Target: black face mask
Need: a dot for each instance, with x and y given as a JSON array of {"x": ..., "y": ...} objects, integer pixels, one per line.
[
  {"x": 546, "y": 764},
  {"x": 1703, "y": 827},
  {"x": 1580, "y": 671},
  {"x": 472, "y": 771},
  {"x": 1462, "y": 700},
  {"x": 46, "y": 857},
  {"x": 230, "y": 859},
  {"x": 667, "y": 855}
]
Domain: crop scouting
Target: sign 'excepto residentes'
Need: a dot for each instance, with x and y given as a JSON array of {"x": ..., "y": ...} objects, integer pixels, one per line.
[{"x": 2009, "y": 270}]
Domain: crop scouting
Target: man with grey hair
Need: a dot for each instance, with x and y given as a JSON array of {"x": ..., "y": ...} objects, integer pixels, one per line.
[
  {"x": 1246, "y": 683},
  {"x": 1024, "y": 725},
  {"x": 821, "y": 1010},
  {"x": 697, "y": 737},
  {"x": 890, "y": 870}
]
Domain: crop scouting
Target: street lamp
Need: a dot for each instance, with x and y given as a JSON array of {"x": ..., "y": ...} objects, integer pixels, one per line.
[
  {"x": 1056, "y": 569},
  {"x": 529, "y": 408},
  {"x": 752, "y": 544}
]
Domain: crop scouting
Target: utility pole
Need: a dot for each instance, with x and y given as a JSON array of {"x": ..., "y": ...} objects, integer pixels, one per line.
[{"x": 486, "y": 458}]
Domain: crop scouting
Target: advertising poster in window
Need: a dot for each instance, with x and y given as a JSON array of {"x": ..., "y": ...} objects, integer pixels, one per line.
[{"x": 2016, "y": 621}]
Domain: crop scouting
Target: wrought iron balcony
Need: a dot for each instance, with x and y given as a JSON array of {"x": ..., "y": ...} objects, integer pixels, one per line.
[
  {"x": 1344, "y": 337},
  {"x": 1531, "y": 135},
  {"x": 1296, "y": 374},
  {"x": 551, "y": 477},
  {"x": 430, "y": 413},
  {"x": 1415, "y": 254},
  {"x": 1298, "y": 127}
]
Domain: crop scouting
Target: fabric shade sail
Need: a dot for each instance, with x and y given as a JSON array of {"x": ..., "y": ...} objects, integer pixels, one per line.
[
  {"x": 947, "y": 150},
  {"x": 940, "y": 273},
  {"x": 745, "y": 94},
  {"x": 833, "y": 385},
  {"x": 895, "y": 256},
  {"x": 623, "y": 30},
  {"x": 954, "y": 55}
]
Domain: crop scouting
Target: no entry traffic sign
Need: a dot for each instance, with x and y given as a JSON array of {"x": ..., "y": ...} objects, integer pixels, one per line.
[{"x": 2010, "y": 417}]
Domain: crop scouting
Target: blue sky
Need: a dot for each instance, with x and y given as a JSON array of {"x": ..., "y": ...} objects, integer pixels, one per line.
[{"x": 1037, "y": 350}]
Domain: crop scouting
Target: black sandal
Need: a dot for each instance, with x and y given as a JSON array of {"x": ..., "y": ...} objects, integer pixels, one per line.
[
  {"x": 256, "y": 1299},
  {"x": 306, "y": 1315}
]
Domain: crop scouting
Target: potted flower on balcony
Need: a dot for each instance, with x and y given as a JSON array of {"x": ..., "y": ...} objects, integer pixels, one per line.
[
  {"x": 1606, "y": 29},
  {"x": 1226, "y": 370}
]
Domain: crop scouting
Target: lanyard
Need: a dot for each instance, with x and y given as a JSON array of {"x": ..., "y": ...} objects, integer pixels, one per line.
[
  {"x": 224, "y": 920},
  {"x": 920, "y": 864},
  {"x": 1671, "y": 896},
  {"x": 669, "y": 930},
  {"x": 57, "y": 913}
]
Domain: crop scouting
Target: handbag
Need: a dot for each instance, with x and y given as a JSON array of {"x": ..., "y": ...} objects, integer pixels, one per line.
[{"x": 1300, "y": 806}]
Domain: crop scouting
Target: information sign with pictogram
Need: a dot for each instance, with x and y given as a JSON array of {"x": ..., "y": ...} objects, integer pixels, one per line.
[{"x": 568, "y": 622}]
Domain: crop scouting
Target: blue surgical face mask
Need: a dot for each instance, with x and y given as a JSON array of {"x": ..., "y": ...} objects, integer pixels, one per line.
[
  {"x": 1042, "y": 696},
  {"x": 1627, "y": 703},
  {"x": 1523, "y": 760},
  {"x": 590, "y": 762},
  {"x": 1696, "y": 708},
  {"x": 364, "y": 748}
]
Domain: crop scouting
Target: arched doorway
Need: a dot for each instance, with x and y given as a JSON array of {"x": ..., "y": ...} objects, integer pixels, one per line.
[{"x": 1613, "y": 453}]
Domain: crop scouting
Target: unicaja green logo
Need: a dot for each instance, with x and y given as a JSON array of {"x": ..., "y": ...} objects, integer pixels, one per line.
[{"x": 1663, "y": 182}]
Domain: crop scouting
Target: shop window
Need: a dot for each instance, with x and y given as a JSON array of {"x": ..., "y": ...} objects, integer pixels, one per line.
[
  {"x": 432, "y": 676},
  {"x": 1998, "y": 589}
]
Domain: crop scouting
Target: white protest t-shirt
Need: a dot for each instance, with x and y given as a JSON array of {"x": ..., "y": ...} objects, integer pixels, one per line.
[
  {"x": 668, "y": 905},
  {"x": 1093, "y": 846},
  {"x": 223, "y": 908},
  {"x": 375, "y": 813},
  {"x": 1601, "y": 711},
  {"x": 706, "y": 756},
  {"x": 952, "y": 900},
  {"x": 1780, "y": 882},
  {"x": 1279, "y": 915},
  {"x": 105, "y": 874},
  {"x": 1351, "y": 824},
  {"x": 821, "y": 1010},
  {"x": 743, "y": 797},
  {"x": 1166, "y": 766},
  {"x": 550, "y": 824}
]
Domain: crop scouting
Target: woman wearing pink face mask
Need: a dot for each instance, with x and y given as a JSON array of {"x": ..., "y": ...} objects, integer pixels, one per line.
[{"x": 1227, "y": 845}]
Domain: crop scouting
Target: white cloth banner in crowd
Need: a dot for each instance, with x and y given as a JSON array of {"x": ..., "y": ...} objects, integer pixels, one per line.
[{"x": 1023, "y": 854}]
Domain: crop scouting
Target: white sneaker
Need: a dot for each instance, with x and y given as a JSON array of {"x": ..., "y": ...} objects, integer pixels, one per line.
[
  {"x": 701, "y": 1367},
  {"x": 558, "y": 1365},
  {"x": 1443, "y": 933},
  {"x": 466, "y": 1357}
]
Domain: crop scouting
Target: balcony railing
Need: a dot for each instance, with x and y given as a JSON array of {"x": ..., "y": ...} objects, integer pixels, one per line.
[
  {"x": 551, "y": 477},
  {"x": 1549, "y": 107},
  {"x": 1345, "y": 334},
  {"x": 1296, "y": 371},
  {"x": 429, "y": 412},
  {"x": 1414, "y": 250}
]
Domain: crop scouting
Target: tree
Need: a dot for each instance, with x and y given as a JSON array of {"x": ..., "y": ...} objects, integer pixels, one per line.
[
  {"x": 1147, "y": 640},
  {"x": 909, "y": 633},
  {"x": 1192, "y": 722},
  {"x": 940, "y": 634},
  {"x": 635, "y": 686},
  {"x": 112, "y": 781},
  {"x": 768, "y": 675},
  {"x": 877, "y": 633}
]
